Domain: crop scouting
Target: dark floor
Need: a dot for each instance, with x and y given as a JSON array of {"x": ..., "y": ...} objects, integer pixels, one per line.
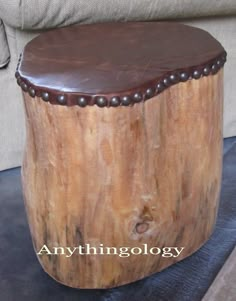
[{"x": 22, "y": 278}]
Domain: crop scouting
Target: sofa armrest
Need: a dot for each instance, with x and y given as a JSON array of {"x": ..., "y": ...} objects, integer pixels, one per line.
[
  {"x": 4, "y": 50},
  {"x": 45, "y": 14}
]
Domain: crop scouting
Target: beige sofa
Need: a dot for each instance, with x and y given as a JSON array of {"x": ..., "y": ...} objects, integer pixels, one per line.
[{"x": 21, "y": 20}]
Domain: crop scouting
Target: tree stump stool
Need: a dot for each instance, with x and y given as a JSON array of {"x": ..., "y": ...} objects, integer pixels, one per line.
[{"x": 124, "y": 147}]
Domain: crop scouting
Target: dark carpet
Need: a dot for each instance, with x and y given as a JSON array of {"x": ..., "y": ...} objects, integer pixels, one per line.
[{"x": 22, "y": 278}]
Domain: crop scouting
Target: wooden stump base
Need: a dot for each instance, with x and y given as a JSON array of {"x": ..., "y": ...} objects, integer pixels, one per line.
[{"x": 123, "y": 177}]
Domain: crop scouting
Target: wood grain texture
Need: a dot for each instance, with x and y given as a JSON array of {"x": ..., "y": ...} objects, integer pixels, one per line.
[{"x": 124, "y": 176}]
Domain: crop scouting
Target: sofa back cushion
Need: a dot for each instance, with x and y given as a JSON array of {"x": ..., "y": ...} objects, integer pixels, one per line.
[{"x": 35, "y": 14}]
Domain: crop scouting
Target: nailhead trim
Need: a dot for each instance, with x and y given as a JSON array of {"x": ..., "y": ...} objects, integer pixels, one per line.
[{"x": 129, "y": 99}]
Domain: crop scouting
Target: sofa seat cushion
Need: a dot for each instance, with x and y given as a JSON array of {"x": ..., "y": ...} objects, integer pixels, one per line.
[
  {"x": 4, "y": 50},
  {"x": 35, "y": 14}
]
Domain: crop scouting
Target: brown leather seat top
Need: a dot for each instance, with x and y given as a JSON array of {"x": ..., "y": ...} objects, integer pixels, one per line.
[{"x": 116, "y": 60}]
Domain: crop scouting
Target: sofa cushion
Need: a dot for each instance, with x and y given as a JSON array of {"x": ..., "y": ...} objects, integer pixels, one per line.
[
  {"x": 35, "y": 14},
  {"x": 4, "y": 50}
]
